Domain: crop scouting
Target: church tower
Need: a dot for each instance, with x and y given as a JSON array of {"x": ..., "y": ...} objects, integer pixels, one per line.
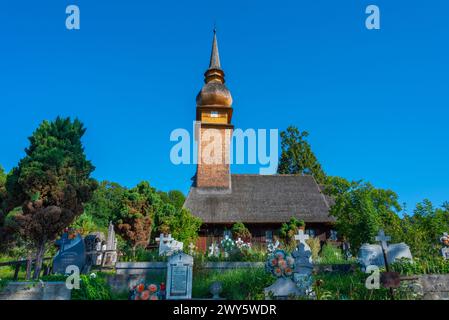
[{"x": 214, "y": 128}]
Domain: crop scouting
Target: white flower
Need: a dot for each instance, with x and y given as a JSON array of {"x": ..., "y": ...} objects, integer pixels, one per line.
[{"x": 93, "y": 275}]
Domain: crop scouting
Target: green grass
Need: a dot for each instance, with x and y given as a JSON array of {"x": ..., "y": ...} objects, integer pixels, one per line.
[{"x": 238, "y": 284}]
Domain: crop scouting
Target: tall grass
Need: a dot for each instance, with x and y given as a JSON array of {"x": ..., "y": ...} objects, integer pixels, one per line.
[{"x": 238, "y": 284}]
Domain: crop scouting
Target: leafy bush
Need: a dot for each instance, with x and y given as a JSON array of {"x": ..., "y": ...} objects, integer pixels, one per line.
[
  {"x": 315, "y": 247},
  {"x": 238, "y": 284},
  {"x": 330, "y": 254},
  {"x": 92, "y": 288},
  {"x": 239, "y": 230},
  {"x": 429, "y": 265},
  {"x": 288, "y": 231}
]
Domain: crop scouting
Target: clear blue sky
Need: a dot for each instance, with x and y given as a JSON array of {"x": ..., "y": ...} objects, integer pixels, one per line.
[{"x": 376, "y": 103}]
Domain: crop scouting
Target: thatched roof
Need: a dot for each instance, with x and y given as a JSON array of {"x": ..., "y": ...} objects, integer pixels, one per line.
[{"x": 261, "y": 199}]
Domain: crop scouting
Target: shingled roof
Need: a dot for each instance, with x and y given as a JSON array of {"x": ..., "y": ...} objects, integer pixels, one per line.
[{"x": 261, "y": 199}]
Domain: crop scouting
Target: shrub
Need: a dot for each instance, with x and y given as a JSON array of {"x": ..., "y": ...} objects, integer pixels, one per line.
[
  {"x": 429, "y": 265},
  {"x": 92, "y": 288},
  {"x": 315, "y": 247},
  {"x": 330, "y": 254},
  {"x": 288, "y": 231},
  {"x": 239, "y": 230}
]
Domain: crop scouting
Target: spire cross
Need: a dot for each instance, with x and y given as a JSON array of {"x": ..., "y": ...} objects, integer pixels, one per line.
[{"x": 382, "y": 238}]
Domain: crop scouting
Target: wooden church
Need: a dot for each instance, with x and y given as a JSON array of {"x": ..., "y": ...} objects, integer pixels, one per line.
[{"x": 261, "y": 202}]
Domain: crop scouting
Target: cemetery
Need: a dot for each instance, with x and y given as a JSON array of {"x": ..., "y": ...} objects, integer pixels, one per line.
[{"x": 183, "y": 273}]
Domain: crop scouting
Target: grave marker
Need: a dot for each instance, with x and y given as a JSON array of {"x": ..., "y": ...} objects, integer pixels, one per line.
[{"x": 179, "y": 276}]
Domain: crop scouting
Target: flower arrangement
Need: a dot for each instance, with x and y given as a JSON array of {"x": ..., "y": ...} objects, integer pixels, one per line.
[
  {"x": 242, "y": 245},
  {"x": 141, "y": 291},
  {"x": 445, "y": 239},
  {"x": 280, "y": 264},
  {"x": 227, "y": 244}
]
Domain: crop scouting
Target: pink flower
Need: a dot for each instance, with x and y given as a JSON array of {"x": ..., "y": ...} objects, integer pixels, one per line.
[{"x": 152, "y": 288}]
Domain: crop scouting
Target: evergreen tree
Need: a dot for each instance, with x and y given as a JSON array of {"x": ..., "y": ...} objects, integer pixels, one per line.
[
  {"x": 297, "y": 156},
  {"x": 50, "y": 184}
]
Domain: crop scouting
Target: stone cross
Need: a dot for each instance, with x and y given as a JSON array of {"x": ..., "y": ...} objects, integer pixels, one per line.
[
  {"x": 163, "y": 239},
  {"x": 191, "y": 248},
  {"x": 382, "y": 238},
  {"x": 301, "y": 237},
  {"x": 213, "y": 249}
]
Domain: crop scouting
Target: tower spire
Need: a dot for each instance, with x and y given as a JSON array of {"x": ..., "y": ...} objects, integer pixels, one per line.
[
  {"x": 214, "y": 73},
  {"x": 214, "y": 56}
]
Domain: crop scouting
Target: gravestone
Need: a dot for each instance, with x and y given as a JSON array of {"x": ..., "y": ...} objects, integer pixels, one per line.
[
  {"x": 179, "y": 276},
  {"x": 444, "y": 240},
  {"x": 71, "y": 252},
  {"x": 92, "y": 244},
  {"x": 296, "y": 282},
  {"x": 445, "y": 253},
  {"x": 215, "y": 289},
  {"x": 110, "y": 256},
  {"x": 302, "y": 274},
  {"x": 283, "y": 288},
  {"x": 168, "y": 246},
  {"x": 272, "y": 246},
  {"x": 371, "y": 254},
  {"x": 214, "y": 250},
  {"x": 192, "y": 249},
  {"x": 346, "y": 246},
  {"x": 333, "y": 235},
  {"x": 398, "y": 251}
]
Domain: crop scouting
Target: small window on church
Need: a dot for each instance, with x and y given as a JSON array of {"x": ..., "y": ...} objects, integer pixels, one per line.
[
  {"x": 214, "y": 114},
  {"x": 268, "y": 235}
]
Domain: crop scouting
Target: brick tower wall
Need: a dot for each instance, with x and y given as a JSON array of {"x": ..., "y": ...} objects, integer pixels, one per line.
[{"x": 216, "y": 174}]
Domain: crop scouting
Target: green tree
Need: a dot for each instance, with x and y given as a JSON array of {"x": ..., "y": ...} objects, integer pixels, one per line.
[
  {"x": 297, "y": 156},
  {"x": 239, "y": 230},
  {"x": 50, "y": 184},
  {"x": 134, "y": 217},
  {"x": 174, "y": 197},
  {"x": 7, "y": 229},
  {"x": 105, "y": 203},
  {"x": 361, "y": 210},
  {"x": 289, "y": 229},
  {"x": 423, "y": 229}
]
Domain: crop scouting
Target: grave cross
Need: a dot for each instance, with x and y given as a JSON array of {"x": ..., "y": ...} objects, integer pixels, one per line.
[
  {"x": 213, "y": 248},
  {"x": 382, "y": 238},
  {"x": 301, "y": 237},
  {"x": 163, "y": 239},
  {"x": 192, "y": 248}
]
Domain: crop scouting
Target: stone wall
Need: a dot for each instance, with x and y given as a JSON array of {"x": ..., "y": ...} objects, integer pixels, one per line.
[
  {"x": 435, "y": 286},
  {"x": 35, "y": 291}
]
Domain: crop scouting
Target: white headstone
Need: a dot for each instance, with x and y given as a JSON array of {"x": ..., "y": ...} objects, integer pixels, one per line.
[
  {"x": 168, "y": 245},
  {"x": 371, "y": 254},
  {"x": 179, "y": 276}
]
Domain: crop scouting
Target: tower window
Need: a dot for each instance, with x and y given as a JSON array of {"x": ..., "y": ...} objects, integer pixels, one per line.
[{"x": 214, "y": 114}]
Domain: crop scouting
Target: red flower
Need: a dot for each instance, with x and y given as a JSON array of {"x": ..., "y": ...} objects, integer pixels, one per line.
[
  {"x": 140, "y": 287},
  {"x": 152, "y": 288},
  {"x": 145, "y": 295}
]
